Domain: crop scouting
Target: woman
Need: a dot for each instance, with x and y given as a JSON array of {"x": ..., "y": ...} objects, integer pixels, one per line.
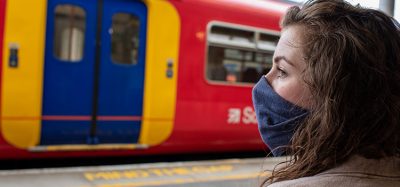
[{"x": 332, "y": 98}]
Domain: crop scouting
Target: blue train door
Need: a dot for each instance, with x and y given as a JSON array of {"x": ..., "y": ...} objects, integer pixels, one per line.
[{"x": 94, "y": 72}]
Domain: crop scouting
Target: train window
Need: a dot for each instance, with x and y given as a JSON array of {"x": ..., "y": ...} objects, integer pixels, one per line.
[
  {"x": 267, "y": 42},
  {"x": 234, "y": 37},
  {"x": 237, "y": 65},
  {"x": 124, "y": 39},
  {"x": 239, "y": 56},
  {"x": 69, "y": 32}
]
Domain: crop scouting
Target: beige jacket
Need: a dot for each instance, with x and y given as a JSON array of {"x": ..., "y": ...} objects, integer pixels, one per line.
[{"x": 356, "y": 172}]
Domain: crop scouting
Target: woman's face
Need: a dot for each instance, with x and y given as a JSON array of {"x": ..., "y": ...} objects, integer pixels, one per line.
[{"x": 285, "y": 77}]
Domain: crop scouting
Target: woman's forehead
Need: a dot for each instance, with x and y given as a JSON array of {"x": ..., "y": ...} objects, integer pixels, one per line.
[{"x": 289, "y": 46}]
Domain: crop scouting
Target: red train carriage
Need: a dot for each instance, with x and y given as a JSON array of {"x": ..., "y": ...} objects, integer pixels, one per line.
[{"x": 128, "y": 77}]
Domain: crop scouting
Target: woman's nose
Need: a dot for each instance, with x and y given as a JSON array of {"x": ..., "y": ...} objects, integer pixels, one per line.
[{"x": 269, "y": 76}]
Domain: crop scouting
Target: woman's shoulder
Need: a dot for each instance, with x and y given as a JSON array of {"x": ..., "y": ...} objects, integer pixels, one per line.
[{"x": 357, "y": 171}]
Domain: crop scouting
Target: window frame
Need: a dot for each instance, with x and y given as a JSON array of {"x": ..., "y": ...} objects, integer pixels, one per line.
[{"x": 257, "y": 32}]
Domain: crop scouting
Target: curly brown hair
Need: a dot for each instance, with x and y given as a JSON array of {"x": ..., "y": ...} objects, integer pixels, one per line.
[{"x": 353, "y": 71}]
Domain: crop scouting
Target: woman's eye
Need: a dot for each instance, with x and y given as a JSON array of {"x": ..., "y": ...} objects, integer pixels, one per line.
[{"x": 281, "y": 73}]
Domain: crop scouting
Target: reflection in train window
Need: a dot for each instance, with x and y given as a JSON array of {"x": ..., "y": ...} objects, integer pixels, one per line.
[
  {"x": 124, "y": 39},
  {"x": 236, "y": 65},
  {"x": 69, "y": 32},
  {"x": 239, "y": 56}
]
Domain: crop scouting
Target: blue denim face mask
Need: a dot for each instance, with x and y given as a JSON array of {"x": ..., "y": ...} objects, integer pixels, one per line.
[{"x": 277, "y": 118}]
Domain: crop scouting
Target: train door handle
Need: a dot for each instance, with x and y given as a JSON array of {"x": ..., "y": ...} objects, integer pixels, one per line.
[
  {"x": 13, "y": 56},
  {"x": 170, "y": 66}
]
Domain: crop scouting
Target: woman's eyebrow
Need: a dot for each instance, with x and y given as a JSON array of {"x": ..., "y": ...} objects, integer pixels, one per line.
[{"x": 278, "y": 58}]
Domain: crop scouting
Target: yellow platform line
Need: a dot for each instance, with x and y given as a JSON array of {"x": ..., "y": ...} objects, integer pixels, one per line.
[
  {"x": 86, "y": 147},
  {"x": 186, "y": 180}
]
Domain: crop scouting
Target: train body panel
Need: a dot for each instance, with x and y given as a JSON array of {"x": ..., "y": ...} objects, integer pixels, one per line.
[
  {"x": 161, "y": 59},
  {"x": 22, "y": 86},
  {"x": 2, "y": 17},
  {"x": 142, "y": 81},
  {"x": 215, "y": 113}
]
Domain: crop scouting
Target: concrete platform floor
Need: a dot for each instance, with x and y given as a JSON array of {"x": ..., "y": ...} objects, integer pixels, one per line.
[{"x": 229, "y": 172}]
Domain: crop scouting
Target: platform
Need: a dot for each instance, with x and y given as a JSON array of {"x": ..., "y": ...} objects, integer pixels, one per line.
[{"x": 228, "y": 172}]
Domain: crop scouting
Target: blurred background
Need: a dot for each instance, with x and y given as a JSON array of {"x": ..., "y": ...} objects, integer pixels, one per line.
[
  {"x": 111, "y": 82},
  {"x": 385, "y": 5},
  {"x": 135, "y": 78}
]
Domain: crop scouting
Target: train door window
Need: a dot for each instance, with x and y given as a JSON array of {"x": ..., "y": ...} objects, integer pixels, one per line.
[
  {"x": 69, "y": 32},
  {"x": 124, "y": 39},
  {"x": 239, "y": 56}
]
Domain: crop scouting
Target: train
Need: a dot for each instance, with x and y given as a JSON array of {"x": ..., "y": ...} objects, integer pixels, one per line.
[{"x": 132, "y": 77}]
